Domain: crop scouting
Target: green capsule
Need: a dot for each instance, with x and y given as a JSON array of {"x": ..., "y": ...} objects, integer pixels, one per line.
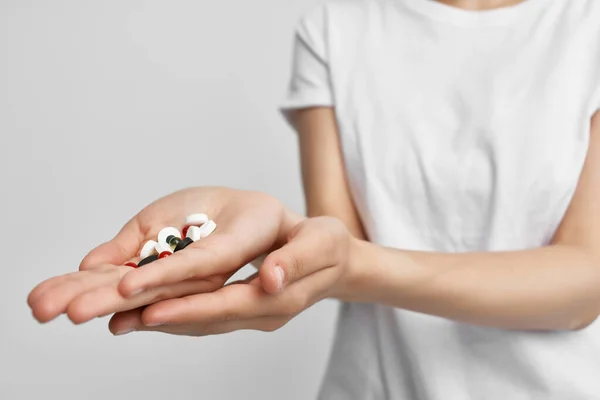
[{"x": 173, "y": 241}]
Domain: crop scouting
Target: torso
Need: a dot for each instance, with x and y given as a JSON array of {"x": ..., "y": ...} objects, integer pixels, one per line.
[{"x": 461, "y": 132}]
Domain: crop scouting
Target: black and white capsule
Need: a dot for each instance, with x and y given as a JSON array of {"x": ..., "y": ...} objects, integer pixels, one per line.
[
  {"x": 148, "y": 260},
  {"x": 183, "y": 244}
]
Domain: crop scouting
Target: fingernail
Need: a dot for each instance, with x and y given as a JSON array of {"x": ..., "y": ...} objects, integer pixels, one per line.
[
  {"x": 153, "y": 324},
  {"x": 124, "y": 332},
  {"x": 279, "y": 276},
  {"x": 136, "y": 292}
]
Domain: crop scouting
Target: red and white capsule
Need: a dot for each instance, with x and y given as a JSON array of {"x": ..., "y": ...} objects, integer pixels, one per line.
[
  {"x": 148, "y": 249},
  {"x": 193, "y": 232},
  {"x": 196, "y": 219},
  {"x": 208, "y": 228}
]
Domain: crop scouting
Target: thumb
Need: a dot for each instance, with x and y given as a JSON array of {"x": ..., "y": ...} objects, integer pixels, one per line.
[
  {"x": 122, "y": 248},
  {"x": 313, "y": 245}
]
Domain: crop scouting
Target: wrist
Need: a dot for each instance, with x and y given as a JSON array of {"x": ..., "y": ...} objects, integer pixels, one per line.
[
  {"x": 358, "y": 272},
  {"x": 377, "y": 274}
]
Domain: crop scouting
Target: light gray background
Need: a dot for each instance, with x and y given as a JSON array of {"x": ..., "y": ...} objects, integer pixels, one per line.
[{"x": 104, "y": 107}]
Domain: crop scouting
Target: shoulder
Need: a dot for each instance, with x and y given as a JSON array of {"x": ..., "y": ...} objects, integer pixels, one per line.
[
  {"x": 333, "y": 25},
  {"x": 577, "y": 22},
  {"x": 581, "y": 13},
  {"x": 336, "y": 14}
]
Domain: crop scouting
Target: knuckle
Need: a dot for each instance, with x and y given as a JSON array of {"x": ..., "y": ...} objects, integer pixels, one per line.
[{"x": 296, "y": 268}]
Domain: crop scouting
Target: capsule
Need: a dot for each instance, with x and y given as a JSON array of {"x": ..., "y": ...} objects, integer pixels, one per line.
[
  {"x": 173, "y": 241},
  {"x": 183, "y": 244},
  {"x": 167, "y": 232},
  {"x": 148, "y": 260},
  {"x": 196, "y": 219},
  {"x": 194, "y": 233},
  {"x": 131, "y": 264},
  {"x": 148, "y": 249},
  {"x": 164, "y": 254},
  {"x": 162, "y": 247},
  {"x": 208, "y": 228}
]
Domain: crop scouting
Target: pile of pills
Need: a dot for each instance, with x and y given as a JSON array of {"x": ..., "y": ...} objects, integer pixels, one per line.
[{"x": 170, "y": 240}]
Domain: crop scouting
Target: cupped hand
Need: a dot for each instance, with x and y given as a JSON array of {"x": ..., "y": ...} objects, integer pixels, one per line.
[
  {"x": 249, "y": 224},
  {"x": 312, "y": 265}
]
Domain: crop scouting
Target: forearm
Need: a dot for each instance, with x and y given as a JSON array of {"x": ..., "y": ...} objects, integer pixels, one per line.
[{"x": 550, "y": 288}]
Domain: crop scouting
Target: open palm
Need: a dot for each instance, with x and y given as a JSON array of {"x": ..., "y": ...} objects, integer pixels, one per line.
[{"x": 249, "y": 225}]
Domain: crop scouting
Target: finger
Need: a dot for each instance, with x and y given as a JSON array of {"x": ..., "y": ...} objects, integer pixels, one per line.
[
  {"x": 54, "y": 282},
  {"x": 55, "y": 300},
  {"x": 239, "y": 302},
  {"x": 312, "y": 247},
  {"x": 131, "y": 321},
  {"x": 123, "y": 247},
  {"x": 264, "y": 324},
  {"x": 125, "y": 321},
  {"x": 216, "y": 254},
  {"x": 46, "y": 285},
  {"x": 107, "y": 299},
  {"x": 232, "y": 302}
]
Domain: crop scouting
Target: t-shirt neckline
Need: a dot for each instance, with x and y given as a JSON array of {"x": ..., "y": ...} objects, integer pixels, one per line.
[{"x": 471, "y": 18}]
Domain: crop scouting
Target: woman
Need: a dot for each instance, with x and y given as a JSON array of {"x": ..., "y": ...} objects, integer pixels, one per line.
[{"x": 451, "y": 164}]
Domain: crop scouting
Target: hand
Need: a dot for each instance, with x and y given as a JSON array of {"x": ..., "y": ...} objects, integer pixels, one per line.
[
  {"x": 312, "y": 265},
  {"x": 248, "y": 224}
]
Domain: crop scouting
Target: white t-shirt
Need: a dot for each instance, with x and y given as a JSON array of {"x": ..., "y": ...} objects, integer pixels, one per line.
[{"x": 461, "y": 131}]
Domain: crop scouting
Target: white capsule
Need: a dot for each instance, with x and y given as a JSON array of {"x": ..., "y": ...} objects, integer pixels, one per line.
[
  {"x": 148, "y": 249},
  {"x": 166, "y": 232},
  {"x": 162, "y": 247},
  {"x": 208, "y": 228},
  {"x": 194, "y": 233},
  {"x": 196, "y": 219}
]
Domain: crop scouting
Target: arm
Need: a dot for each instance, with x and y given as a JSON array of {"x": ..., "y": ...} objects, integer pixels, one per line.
[
  {"x": 550, "y": 288},
  {"x": 556, "y": 287},
  {"x": 323, "y": 173}
]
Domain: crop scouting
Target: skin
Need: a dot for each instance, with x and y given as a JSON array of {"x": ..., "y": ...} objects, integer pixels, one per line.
[
  {"x": 325, "y": 256},
  {"x": 549, "y": 288},
  {"x": 480, "y": 5},
  {"x": 98, "y": 288}
]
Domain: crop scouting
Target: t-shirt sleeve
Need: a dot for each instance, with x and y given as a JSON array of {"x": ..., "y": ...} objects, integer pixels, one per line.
[{"x": 310, "y": 83}]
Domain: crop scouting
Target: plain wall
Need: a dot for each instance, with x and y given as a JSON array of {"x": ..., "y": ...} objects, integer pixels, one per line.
[{"x": 104, "y": 107}]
